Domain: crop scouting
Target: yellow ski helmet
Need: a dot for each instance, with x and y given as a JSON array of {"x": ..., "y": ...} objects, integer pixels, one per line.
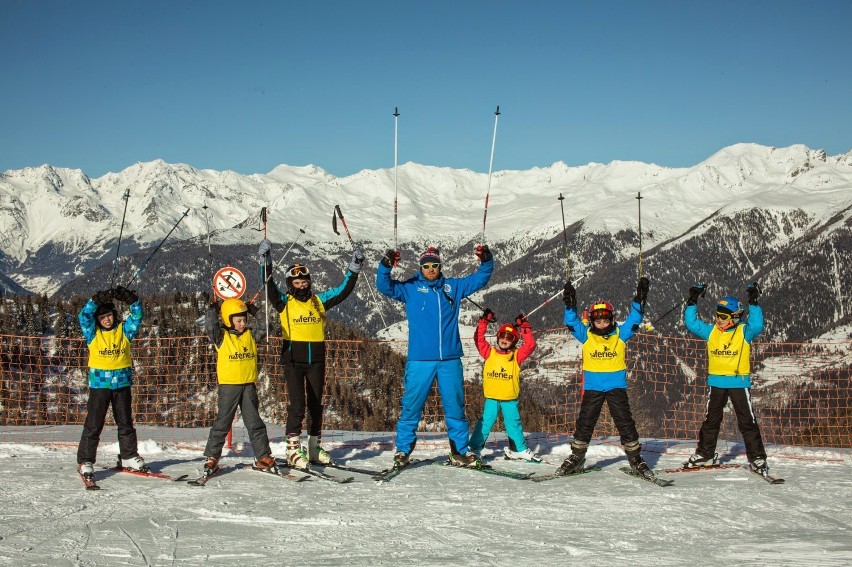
[{"x": 230, "y": 307}]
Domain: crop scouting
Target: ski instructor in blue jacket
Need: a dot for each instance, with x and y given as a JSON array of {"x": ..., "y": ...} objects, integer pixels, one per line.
[{"x": 432, "y": 304}]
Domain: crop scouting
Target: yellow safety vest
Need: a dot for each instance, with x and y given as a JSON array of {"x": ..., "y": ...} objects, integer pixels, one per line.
[
  {"x": 236, "y": 362},
  {"x": 300, "y": 321},
  {"x": 110, "y": 350},
  {"x": 501, "y": 375},
  {"x": 604, "y": 354},
  {"x": 728, "y": 354}
]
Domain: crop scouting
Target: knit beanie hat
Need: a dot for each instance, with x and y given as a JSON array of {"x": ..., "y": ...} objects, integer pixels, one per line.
[{"x": 431, "y": 255}]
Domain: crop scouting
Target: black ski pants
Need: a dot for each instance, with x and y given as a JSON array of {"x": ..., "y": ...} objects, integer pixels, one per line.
[
  {"x": 746, "y": 421},
  {"x": 305, "y": 383},
  {"x": 231, "y": 397},
  {"x": 619, "y": 409},
  {"x": 99, "y": 401}
]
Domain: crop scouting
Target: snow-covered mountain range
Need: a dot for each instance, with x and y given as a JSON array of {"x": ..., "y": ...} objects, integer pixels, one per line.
[{"x": 779, "y": 215}]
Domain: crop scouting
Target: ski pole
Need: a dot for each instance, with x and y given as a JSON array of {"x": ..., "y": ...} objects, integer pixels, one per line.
[
  {"x": 552, "y": 297},
  {"x": 265, "y": 287},
  {"x": 118, "y": 244},
  {"x": 395, "y": 161},
  {"x": 490, "y": 166},
  {"x": 275, "y": 266},
  {"x": 565, "y": 238},
  {"x": 664, "y": 315},
  {"x": 338, "y": 213},
  {"x": 145, "y": 264},
  {"x": 209, "y": 252},
  {"x": 639, "y": 203}
]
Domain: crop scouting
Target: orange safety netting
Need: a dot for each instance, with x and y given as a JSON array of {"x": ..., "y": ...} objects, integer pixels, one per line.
[{"x": 802, "y": 393}]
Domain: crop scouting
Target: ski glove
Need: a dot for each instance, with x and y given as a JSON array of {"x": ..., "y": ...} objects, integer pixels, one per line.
[
  {"x": 483, "y": 253},
  {"x": 569, "y": 296},
  {"x": 695, "y": 292},
  {"x": 357, "y": 260},
  {"x": 264, "y": 248},
  {"x": 753, "y": 292},
  {"x": 102, "y": 297},
  {"x": 522, "y": 323},
  {"x": 123, "y": 294},
  {"x": 391, "y": 258},
  {"x": 252, "y": 309},
  {"x": 642, "y": 290},
  {"x": 488, "y": 315}
]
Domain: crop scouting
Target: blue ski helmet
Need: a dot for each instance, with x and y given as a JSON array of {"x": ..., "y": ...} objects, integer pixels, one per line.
[{"x": 730, "y": 305}]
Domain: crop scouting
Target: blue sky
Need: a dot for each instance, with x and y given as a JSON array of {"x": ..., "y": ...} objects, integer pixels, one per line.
[{"x": 249, "y": 85}]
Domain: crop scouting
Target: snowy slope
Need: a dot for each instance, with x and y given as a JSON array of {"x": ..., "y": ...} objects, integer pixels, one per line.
[{"x": 427, "y": 516}]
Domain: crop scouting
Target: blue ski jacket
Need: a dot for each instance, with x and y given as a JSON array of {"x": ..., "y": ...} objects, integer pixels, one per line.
[{"x": 433, "y": 308}]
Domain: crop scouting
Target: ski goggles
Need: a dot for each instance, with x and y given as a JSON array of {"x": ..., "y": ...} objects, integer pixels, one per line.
[
  {"x": 723, "y": 316},
  {"x": 508, "y": 336},
  {"x": 298, "y": 270},
  {"x": 431, "y": 266}
]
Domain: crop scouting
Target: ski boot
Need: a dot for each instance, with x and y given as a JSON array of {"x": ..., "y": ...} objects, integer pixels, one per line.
[
  {"x": 525, "y": 455},
  {"x": 698, "y": 460},
  {"x": 637, "y": 463},
  {"x": 316, "y": 454},
  {"x": 759, "y": 466},
  {"x": 573, "y": 464},
  {"x": 136, "y": 463},
  {"x": 296, "y": 456},
  {"x": 469, "y": 460}
]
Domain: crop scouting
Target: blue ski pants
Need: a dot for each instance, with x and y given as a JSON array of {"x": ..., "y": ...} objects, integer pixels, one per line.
[
  {"x": 419, "y": 377},
  {"x": 511, "y": 419}
]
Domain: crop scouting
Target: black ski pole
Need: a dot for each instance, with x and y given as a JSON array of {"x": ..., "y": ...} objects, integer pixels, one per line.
[
  {"x": 565, "y": 239},
  {"x": 145, "y": 264},
  {"x": 639, "y": 203},
  {"x": 118, "y": 244},
  {"x": 265, "y": 287},
  {"x": 268, "y": 276},
  {"x": 664, "y": 315},
  {"x": 338, "y": 213}
]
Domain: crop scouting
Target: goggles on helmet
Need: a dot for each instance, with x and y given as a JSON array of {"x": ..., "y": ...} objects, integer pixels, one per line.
[
  {"x": 298, "y": 270},
  {"x": 507, "y": 332},
  {"x": 600, "y": 310},
  {"x": 722, "y": 316}
]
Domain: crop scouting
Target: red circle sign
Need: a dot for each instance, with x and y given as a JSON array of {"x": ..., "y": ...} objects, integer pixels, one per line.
[{"x": 228, "y": 283}]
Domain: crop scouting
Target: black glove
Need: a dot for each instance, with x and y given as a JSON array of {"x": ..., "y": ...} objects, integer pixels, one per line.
[
  {"x": 252, "y": 309},
  {"x": 569, "y": 296},
  {"x": 391, "y": 258},
  {"x": 642, "y": 290},
  {"x": 695, "y": 292},
  {"x": 753, "y": 292},
  {"x": 488, "y": 315},
  {"x": 123, "y": 294},
  {"x": 102, "y": 297},
  {"x": 521, "y": 322},
  {"x": 483, "y": 253}
]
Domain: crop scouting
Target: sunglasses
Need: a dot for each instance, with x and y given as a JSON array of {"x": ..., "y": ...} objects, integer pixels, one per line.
[
  {"x": 433, "y": 266},
  {"x": 298, "y": 270},
  {"x": 507, "y": 336}
]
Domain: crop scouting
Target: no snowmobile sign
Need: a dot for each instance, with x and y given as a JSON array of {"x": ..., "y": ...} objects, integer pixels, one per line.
[{"x": 228, "y": 283}]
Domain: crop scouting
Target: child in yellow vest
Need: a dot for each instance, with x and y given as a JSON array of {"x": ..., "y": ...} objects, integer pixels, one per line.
[
  {"x": 604, "y": 376},
  {"x": 501, "y": 383},
  {"x": 110, "y": 376},
  {"x": 236, "y": 370},
  {"x": 728, "y": 366},
  {"x": 302, "y": 315}
]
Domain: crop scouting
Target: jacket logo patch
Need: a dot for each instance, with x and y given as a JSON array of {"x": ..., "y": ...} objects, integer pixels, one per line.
[
  {"x": 423, "y": 289},
  {"x": 448, "y": 288}
]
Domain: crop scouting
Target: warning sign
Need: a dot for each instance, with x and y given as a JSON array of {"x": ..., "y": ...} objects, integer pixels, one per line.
[{"x": 228, "y": 283}]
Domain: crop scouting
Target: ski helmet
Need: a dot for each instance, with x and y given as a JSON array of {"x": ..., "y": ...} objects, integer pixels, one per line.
[
  {"x": 507, "y": 331},
  {"x": 730, "y": 305},
  {"x": 103, "y": 309},
  {"x": 232, "y": 307}
]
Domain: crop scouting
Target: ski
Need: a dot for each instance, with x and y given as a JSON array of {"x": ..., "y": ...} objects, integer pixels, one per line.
[
  {"x": 653, "y": 479},
  {"x": 151, "y": 474},
  {"x": 280, "y": 471},
  {"x": 89, "y": 481},
  {"x": 388, "y": 474},
  {"x": 346, "y": 468},
  {"x": 202, "y": 480},
  {"x": 488, "y": 469},
  {"x": 552, "y": 476},
  {"x": 766, "y": 477},
  {"x": 332, "y": 478},
  {"x": 714, "y": 467}
]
